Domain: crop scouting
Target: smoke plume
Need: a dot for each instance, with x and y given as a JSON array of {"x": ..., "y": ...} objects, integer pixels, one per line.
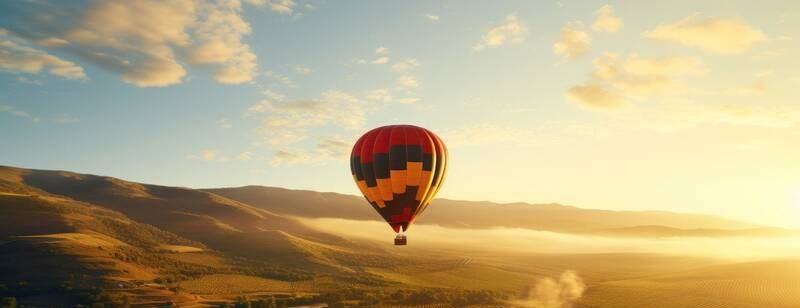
[{"x": 551, "y": 293}]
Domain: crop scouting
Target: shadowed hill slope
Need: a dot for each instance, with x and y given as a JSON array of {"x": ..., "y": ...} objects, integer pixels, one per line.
[
  {"x": 229, "y": 226},
  {"x": 114, "y": 230},
  {"x": 194, "y": 214}
]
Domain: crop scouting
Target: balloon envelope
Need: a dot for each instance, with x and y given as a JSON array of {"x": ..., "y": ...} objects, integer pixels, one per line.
[{"x": 399, "y": 169}]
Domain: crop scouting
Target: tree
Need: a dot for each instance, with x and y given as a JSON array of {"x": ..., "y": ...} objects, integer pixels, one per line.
[
  {"x": 9, "y": 302},
  {"x": 242, "y": 302},
  {"x": 126, "y": 302}
]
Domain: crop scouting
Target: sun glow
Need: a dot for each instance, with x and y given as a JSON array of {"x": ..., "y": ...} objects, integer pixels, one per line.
[{"x": 797, "y": 200}]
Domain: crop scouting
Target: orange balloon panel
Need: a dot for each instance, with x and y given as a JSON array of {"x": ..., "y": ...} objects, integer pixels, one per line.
[{"x": 399, "y": 169}]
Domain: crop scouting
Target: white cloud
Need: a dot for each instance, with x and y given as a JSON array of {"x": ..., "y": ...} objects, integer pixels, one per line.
[
  {"x": 407, "y": 100},
  {"x": 615, "y": 81},
  {"x": 379, "y": 95},
  {"x": 64, "y": 118},
  {"x": 381, "y": 56},
  {"x": 220, "y": 31},
  {"x": 327, "y": 149},
  {"x": 302, "y": 69},
  {"x": 272, "y": 95},
  {"x": 16, "y": 57},
  {"x": 26, "y": 80},
  {"x": 282, "y": 6},
  {"x": 573, "y": 42},
  {"x": 243, "y": 156},
  {"x": 673, "y": 66},
  {"x": 148, "y": 42},
  {"x": 512, "y": 31},
  {"x": 385, "y": 96},
  {"x": 407, "y": 81},
  {"x": 712, "y": 34},
  {"x": 606, "y": 21},
  {"x": 431, "y": 17},
  {"x": 594, "y": 96},
  {"x": 208, "y": 154},
  {"x": 666, "y": 99},
  {"x": 290, "y": 157},
  {"x": 212, "y": 155},
  {"x": 333, "y": 148},
  {"x": 289, "y": 122},
  {"x": 381, "y": 60},
  {"x": 142, "y": 36},
  {"x": 405, "y": 65},
  {"x": 224, "y": 123},
  {"x": 286, "y": 7},
  {"x": 404, "y": 71},
  {"x": 18, "y": 113},
  {"x": 280, "y": 78}
]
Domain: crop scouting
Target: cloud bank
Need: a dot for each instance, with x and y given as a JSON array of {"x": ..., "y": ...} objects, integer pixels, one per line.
[
  {"x": 16, "y": 56},
  {"x": 573, "y": 42},
  {"x": 606, "y": 21},
  {"x": 712, "y": 34},
  {"x": 148, "y": 43}
]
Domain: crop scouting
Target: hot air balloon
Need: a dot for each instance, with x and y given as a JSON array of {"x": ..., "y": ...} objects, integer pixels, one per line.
[{"x": 399, "y": 168}]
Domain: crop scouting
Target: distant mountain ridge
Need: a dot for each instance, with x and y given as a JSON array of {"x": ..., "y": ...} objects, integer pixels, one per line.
[
  {"x": 473, "y": 214},
  {"x": 252, "y": 208}
]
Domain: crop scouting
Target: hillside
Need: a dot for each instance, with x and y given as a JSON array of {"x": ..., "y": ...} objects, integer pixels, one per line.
[
  {"x": 472, "y": 214},
  {"x": 194, "y": 214},
  {"x": 72, "y": 249},
  {"x": 114, "y": 230},
  {"x": 69, "y": 238}
]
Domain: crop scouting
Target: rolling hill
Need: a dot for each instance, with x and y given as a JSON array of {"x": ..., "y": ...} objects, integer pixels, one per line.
[
  {"x": 116, "y": 230},
  {"x": 68, "y": 238}
]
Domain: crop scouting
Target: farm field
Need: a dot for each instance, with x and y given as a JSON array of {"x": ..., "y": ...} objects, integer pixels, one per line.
[
  {"x": 770, "y": 284},
  {"x": 235, "y": 285}
]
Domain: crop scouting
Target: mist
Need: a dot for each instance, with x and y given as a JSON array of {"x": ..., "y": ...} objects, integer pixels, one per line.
[{"x": 515, "y": 240}]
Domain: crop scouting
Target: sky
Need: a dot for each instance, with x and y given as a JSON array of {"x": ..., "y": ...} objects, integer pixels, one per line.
[{"x": 686, "y": 106}]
